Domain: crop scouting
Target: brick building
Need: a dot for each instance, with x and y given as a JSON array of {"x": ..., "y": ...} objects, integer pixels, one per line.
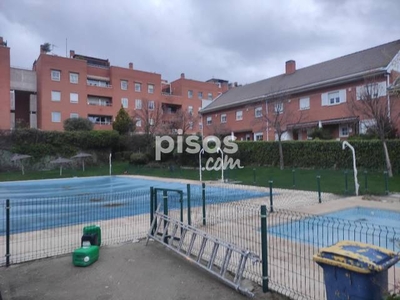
[
  {"x": 58, "y": 88},
  {"x": 298, "y": 101}
]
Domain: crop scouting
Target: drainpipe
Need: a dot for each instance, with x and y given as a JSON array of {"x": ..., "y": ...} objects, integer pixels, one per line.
[
  {"x": 266, "y": 111},
  {"x": 387, "y": 92}
]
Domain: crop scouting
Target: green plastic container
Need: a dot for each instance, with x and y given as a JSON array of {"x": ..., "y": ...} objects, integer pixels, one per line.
[
  {"x": 91, "y": 229},
  {"x": 85, "y": 256}
]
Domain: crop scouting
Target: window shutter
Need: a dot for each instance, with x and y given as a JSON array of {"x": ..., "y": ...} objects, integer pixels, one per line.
[
  {"x": 359, "y": 92},
  {"x": 324, "y": 99},
  {"x": 382, "y": 89},
  {"x": 12, "y": 100},
  {"x": 343, "y": 95}
]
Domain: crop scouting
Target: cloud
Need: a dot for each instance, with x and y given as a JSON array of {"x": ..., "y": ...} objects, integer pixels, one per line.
[{"x": 238, "y": 40}]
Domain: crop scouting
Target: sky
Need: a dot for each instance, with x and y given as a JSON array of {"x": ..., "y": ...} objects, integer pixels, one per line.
[{"x": 237, "y": 40}]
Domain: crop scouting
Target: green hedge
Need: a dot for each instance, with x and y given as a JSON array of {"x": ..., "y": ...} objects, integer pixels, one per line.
[{"x": 319, "y": 154}]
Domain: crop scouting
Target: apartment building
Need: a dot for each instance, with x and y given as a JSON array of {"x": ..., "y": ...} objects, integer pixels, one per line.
[
  {"x": 58, "y": 88},
  {"x": 292, "y": 105}
]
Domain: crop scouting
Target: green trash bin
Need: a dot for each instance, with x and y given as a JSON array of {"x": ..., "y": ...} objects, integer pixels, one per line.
[
  {"x": 355, "y": 271},
  {"x": 86, "y": 255},
  {"x": 93, "y": 229}
]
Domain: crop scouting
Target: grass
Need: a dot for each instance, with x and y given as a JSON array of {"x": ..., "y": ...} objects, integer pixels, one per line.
[{"x": 333, "y": 181}]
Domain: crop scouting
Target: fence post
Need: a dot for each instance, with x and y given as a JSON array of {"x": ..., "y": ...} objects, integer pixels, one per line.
[
  {"x": 203, "y": 197},
  {"x": 165, "y": 200},
  {"x": 8, "y": 232},
  {"x": 386, "y": 182},
  {"x": 188, "y": 203},
  {"x": 294, "y": 177},
  {"x": 264, "y": 248},
  {"x": 346, "y": 183},
  {"x": 319, "y": 188},
  {"x": 271, "y": 200},
  {"x": 151, "y": 205},
  {"x": 181, "y": 203},
  {"x": 254, "y": 176},
  {"x": 366, "y": 180}
]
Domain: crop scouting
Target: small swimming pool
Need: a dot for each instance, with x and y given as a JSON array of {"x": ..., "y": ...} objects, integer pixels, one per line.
[
  {"x": 373, "y": 226},
  {"x": 44, "y": 204}
]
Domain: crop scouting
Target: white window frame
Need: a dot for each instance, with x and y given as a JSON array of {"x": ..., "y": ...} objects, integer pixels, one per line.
[
  {"x": 190, "y": 110},
  {"x": 379, "y": 88},
  {"x": 365, "y": 124},
  {"x": 124, "y": 102},
  {"x": 258, "y": 112},
  {"x": 54, "y": 98},
  {"x": 138, "y": 122},
  {"x": 326, "y": 97},
  {"x": 73, "y": 97},
  {"x": 151, "y": 122},
  {"x": 124, "y": 85},
  {"x": 335, "y": 96},
  {"x": 223, "y": 118},
  {"x": 150, "y": 105},
  {"x": 73, "y": 115},
  {"x": 150, "y": 88},
  {"x": 190, "y": 125},
  {"x": 56, "y": 75},
  {"x": 200, "y": 95},
  {"x": 239, "y": 115},
  {"x": 73, "y": 77},
  {"x": 54, "y": 119},
  {"x": 342, "y": 126},
  {"x": 209, "y": 96},
  {"x": 278, "y": 107},
  {"x": 304, "y": 103},
  {"x": 138, "y": 103},
  {"x": 209, "y": 120},
  {"x": 190, "y": 94},
  {"x": 138, "y": 87},
  {"x": 257, "y": 136}
]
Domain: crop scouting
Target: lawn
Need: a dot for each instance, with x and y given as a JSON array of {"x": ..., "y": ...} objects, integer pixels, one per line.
[{"x": 333, "y": 181}]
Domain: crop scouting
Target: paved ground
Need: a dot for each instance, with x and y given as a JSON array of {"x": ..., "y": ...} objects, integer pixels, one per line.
[{"x": 130, "y": 271}]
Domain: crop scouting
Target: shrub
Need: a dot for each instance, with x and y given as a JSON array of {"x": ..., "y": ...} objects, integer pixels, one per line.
[
  {"x": 321, "y": 134},
  {"x": 78, "y": 124},
  {"x": 138, "y": 159}
]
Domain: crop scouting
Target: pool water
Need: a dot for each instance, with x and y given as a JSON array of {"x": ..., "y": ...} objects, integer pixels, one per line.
[{"x": 373, "y": 226}]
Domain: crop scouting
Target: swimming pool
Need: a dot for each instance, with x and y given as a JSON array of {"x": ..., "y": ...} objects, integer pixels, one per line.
[
  {"x": 373, "y": 226},
  {"x": 44, "y": 204}
]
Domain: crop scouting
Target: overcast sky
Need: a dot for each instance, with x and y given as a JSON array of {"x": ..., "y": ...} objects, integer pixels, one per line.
[{"x": 236, "y": 40}]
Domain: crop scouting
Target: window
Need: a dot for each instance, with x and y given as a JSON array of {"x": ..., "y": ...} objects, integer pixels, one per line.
[
  {"x": 73, "y": 97},
  {"x": 304, "y": 103},
  {"x": 334, "y": 97},
  {"x": 124, "y": 85},
  {"x": 209, "y": 120},
  {"x": 365, "y": 124},
  {"x": 278, "y": 107},
  {"x": 190, "y": 94},
  {"x": 56, "y": 117},
  {"x": 124, "y": 102},
  {"x": 371, "y": 91},
  {"x": 190, "y": 125},
  {"x": 138, "y": 104},
  {"x": 200, "y": 95},
  {"x": 151, "y": 122},
  {"x": 223, "y": 118},
  {"x": 343, "y": 130},
  {"x": 73, "y": 115},
  {"x": 138, "y": 122},
  {"x": 190, "y": 110},
  {"x": 209, "y": 96},
  {"x": 258, "y": 136},
  {"x": 150, "y": 88},
  {"x": 73, "y": 78},
  {"x": 102, "y": 120},
  {"x": 55, "y": 96},
  {"x": 239, "y": 115},
  {"x": 151, "y": 105},
  {"x": 138, "y": 87},
  {"x": 55, "y": 75},
  {"x": 258, "y": 112}
]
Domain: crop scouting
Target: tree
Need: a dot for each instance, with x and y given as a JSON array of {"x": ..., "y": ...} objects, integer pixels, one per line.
[
  {"x": 151, "y": 117},
  {"x": 279, "y": 116},
  {"x": 371, "y": 102},
  {"x": 183, "y": 120},
  {"x": 123, "y": 122},
  {"x": 77, "y": 124}
]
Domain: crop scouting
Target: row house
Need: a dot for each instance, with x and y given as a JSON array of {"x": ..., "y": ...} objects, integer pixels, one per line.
[
  {"x": 326, "y": 95},
  {"x": 58, "y": 88}
]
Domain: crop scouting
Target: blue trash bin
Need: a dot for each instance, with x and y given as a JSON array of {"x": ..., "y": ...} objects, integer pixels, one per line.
[{"x": 355, "y": 271}]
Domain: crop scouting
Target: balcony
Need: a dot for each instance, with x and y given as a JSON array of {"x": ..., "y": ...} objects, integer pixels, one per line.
[
  {"x": 100, "y": 120},
  {"x": 99, "y": 101},
  {"x": 99, "y": 83}
]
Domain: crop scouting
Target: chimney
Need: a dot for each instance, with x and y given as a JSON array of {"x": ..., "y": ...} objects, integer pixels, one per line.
[
  {"x": 131, "y": 66},
  {"x": 182, "y": 75},
  {"x": 290, "y": 67},
  {"x": 71, "y": 53}
]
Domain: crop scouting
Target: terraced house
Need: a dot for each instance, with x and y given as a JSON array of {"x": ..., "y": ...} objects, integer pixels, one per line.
[
  {"x": 327, "y": 95},
  {"x": 58, "y": 88}
]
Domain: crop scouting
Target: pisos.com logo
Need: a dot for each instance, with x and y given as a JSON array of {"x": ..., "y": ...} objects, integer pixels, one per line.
[{"x": 210, "y": 144}]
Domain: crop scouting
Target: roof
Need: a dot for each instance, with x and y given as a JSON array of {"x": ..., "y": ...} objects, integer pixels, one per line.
[{"x": 343, "y": 68}]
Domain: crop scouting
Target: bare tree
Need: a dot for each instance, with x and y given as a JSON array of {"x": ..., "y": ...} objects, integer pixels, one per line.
[
  {"x": 183, "y": 120},
  {"x": 150, "y": 116},
  {"x": 280, "y": 114},
  {"x": 372, "y": 102}
]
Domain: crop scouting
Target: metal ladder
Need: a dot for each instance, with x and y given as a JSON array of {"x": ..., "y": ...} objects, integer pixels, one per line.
[{"x": 181, "y": 238}]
